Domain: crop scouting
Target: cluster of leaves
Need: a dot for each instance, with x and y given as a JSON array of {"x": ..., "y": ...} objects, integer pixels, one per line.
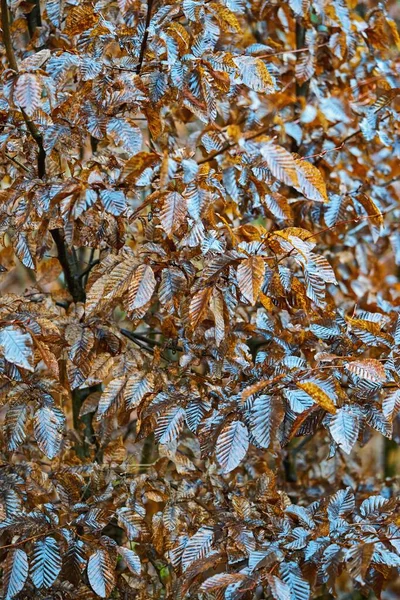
[{"x": 200, "y": 314}]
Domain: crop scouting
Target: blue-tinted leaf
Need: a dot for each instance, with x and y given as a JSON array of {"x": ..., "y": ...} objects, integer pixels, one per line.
[
  {"x": 49, "y": 425},
  {"x": 17, "y": 346},
  {"x": 232, "y": 445},
  {"x": 100, "y": 572},
  {"x": 15, "y": 572},
  {"x": 113, "y": 201},
  {"x": 46, "y": 562},
  {"x": 291, "y": 575}
]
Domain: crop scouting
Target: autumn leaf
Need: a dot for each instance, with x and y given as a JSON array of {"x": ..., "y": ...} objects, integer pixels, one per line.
[
  {"x": 27, "y": 92},
  {"x": 318, "y": 395},
  {"x": 344, "y": 427},
  {"x": 198, "y": 306},
  {"x": 250, "y": 274},
  {"x": 280, "y": 162},
  {"x": 232, "y": 445},
  {"x": 368, "y": 368},
  {"x": 141, "y": 287},
  {"x": 173, "y": 212},
  {"x": 310, "y": 181},
  {"x": 17, "y": 346}
]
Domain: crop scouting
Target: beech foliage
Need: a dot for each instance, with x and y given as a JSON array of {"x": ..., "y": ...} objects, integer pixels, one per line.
[{"x": 200, "y": 299}]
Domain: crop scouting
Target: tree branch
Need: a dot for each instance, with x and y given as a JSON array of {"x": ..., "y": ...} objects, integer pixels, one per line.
[
  {"x": 67, "y": 262},
  {"x": 145, "y": 37},
  {"x": 12, "y": 61},
  {"x": 5, "y": 24}
]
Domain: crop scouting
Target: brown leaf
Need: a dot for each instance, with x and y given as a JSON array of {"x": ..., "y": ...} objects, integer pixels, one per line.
[
  {"x": 318, "y": 395},
  {"x": 141, "y": 287},
  {"x": 250, "y": 274},
  {"x": 198, "y": 306}
]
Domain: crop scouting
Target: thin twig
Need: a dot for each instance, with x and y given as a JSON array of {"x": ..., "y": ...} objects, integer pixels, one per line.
[
  {"x": 14, "y": 160},
  {"x": 28, "y": 539},
  {"x": 294, "y": 51},
  {"x": 90, "y": 266},
  {"x": 232, "y": 145},
  {"x": 128, "y": 334},
  {"x": 150, "y": 342}
]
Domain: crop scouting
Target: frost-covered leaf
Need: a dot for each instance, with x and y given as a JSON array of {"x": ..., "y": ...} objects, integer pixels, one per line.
[
  {"x": 344, "y": 427},
  {"x": 198, "y": 546},
  {"x": 266, "y": 415},
  {"x": 292, "y": 577},
  {"x": 17, "y": 346},
  {"x": 114, "y": 201},
  {"x": 279, "y": 589},
  {"x": 280, "y": 162},
  {"x": 173, "y": 212},
  {"x": 142, "y": 286},
  {"x": 127, "y": 135},
  {"x": 341, "y": 504},
  {"x": 169, "y": 425},
  {"x": 111, "y": 396},
  {"x": 367, "y": 368},
  {"x": 132, "y": 560},
  {"x": 49, "y": 425},
  {"x": 299, "y": 7},
  {"x": 15, "y": 572},
  {"x": 136, "y": 388},
  {"x": 250, "y": 275},
  {"x": 391, "y": 404},
  {"x": 15, "y": 423},
  {"x": 374, "y": 505},
  {"x": 46, "y": 562},
  {"x": 100, "y": 571},
  {"x": 24, "y": 250},
  {"x": 221, "y": 580},
  {"x": 27, "y": 92},
  {"x": 172, "y": 282},
  {"x": 254, "y": 73},
  {"x": 232, "y": 445}
]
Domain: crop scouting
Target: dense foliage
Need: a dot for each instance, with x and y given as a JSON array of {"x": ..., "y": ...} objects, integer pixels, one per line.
[{"x": 200, "y": 309}]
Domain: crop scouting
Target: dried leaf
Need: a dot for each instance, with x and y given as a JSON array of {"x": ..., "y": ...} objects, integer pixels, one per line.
[
  {"x": 46, "y": 562},
  {"x": 141, "y": 287},
  {"x": 318, "y": 395},
  {"x": 250, "y": 274},
  {"x": 368, "y": 368},
  {"x": 198, "y": 306},
  {"x": 17, "y": 346},
  {"x": 173, "y": 212},
  {"x": 27, "y": 92},
  {"x": 232, "y": 445},
  {"x": 310, "y": 181},
  {"x": 15, "y": 572},
  {"x": 100, "y": 571},
  {"x": 344, "y": 427}
]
